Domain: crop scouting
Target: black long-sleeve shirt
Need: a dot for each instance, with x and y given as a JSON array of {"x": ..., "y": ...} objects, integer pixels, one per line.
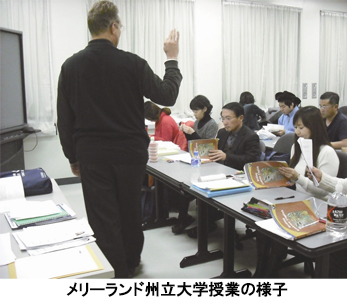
[{"x": 101, "y": 107}]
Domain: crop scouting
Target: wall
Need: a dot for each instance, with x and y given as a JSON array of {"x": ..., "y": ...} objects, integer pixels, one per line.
[{"x": 69, "y": 36}]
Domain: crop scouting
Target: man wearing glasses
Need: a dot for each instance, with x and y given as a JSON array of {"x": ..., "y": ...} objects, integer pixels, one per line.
[
  {"x": 237, "y": 146},
  {"x": 335, "y": 121}
]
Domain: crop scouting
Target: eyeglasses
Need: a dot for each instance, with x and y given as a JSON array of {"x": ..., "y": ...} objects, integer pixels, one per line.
[
  {"x": 323, "y": 107},
  {"x": 228, "y": 119}
]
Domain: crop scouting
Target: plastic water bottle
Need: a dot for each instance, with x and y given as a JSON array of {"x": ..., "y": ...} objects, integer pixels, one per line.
[
  {"x": 196, "y": 160},
  {"x": 337, "y": 214}
]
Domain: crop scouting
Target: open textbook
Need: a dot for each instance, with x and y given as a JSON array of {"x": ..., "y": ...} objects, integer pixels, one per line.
[
  {"x": 293, "y": 220},
  {"x": 266, "y": 174},
  {"x": 203, "y": 146}
]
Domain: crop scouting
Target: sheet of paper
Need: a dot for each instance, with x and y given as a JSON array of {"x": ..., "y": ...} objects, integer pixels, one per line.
[
  {"x": 167, "y": 145},
  {"x": 270, "y": 225},
  {"x": 306, "y": 150},
  {"x": 56, "y": 264},
  {"x": 219, "y": 184},
  {"x": 11, "y": 188},
  {"x": 7, "y": 205},
  {"x": 307, "y": 153},
  {"x": 61, "y": 246},
  {"x": 7, "y": 256},
  {"x": 33, "y": 209},
  {"x": 54, "y": 233},
  {"x": 184, "y": 157}
]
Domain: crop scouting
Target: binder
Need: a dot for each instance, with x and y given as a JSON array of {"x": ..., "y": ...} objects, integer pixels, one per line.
[{"x": 65, "y": 214}]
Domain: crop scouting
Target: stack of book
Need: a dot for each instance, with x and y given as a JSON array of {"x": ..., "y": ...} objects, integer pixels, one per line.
[{"x": 220, "y": 185}]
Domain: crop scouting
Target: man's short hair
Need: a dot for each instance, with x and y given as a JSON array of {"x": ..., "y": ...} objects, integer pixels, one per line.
[
  {"x": 333, "y": 97},
  {"x": 236, "y": 107},
  {"x": 101, "y": 16}
]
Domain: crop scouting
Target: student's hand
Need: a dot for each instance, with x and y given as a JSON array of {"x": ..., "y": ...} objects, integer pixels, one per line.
[
  {"x": 187, "y": 129},
  {"x": 290, "y": 173},
  {"x": 75, "y": 168},
  {"x": 171, "y": 45},
  {"x": 316, "y": 172},
  {"x": 216, "y": 155},
  {"x": 280, "y": 132}
]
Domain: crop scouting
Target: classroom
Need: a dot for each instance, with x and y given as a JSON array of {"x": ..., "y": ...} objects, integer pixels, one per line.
[{"x": 205, "y": 61}]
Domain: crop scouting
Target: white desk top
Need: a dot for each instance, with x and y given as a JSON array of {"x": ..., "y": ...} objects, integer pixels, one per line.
[{"x": 58, "y": 197}]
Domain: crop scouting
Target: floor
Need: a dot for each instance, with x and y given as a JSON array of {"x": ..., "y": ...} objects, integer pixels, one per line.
[{"x": 163, "y": 251}]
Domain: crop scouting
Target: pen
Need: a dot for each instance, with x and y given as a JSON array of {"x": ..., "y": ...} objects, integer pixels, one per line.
[{"x": 281, "y": 198}]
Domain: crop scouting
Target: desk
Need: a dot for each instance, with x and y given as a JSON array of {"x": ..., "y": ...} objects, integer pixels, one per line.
[
  {"x": 178, "y": 174},
  {"x": 58, "y": 197}
]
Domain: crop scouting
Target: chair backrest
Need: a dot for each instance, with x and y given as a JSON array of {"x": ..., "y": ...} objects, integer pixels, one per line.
[
  {"x": 343, "y": 110},
  {"x": 285, "y": 143},
  {"x": 342, "y": 173},
  {"x": 262, "y": 146}
]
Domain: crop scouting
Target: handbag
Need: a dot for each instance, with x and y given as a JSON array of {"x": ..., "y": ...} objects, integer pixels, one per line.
[{"x": 35, "y": 181}]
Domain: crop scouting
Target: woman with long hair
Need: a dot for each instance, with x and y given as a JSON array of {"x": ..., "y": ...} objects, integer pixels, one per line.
[{"x": 308, "y": 123}]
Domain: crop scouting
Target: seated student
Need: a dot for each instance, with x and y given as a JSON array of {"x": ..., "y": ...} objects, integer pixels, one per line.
[
  {"x": 237, "y": 146},
  {"x": 288, "y": 103},
  {"x": 166, "y": 127},
  {"x": 252, "y": 112},
  {"x": 335, "y": 121},
  {"x": 308, "y": 125},
  {"x": 329, "y": 183},
  {"x": 204, "y": 126}
]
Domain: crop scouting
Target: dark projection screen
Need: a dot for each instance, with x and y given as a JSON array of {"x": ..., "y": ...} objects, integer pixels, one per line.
[{"x": 12, "y": 91}]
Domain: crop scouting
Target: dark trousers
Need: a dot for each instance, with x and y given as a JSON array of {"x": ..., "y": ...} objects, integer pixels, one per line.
[{"x": 112, "y": 196}]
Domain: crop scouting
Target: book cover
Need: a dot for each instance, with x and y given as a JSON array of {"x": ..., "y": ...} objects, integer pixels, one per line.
[
  {"x": 266, "y": 174},
  {"x": 203, "y": 146},
  {"x": 297, "y": 218}
]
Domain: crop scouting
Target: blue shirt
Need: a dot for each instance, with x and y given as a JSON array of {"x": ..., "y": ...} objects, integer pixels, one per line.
[{"x": 287, "y": 120}]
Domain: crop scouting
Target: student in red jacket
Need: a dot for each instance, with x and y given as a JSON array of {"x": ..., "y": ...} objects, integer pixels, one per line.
[{"x": 166, "y": 127}]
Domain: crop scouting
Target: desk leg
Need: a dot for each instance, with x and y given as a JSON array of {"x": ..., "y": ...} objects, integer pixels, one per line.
[
  {"x": 161, "y": 219},
  {"x": 229, "y": 251},
  {"x": 321, "y": 269},
  {"x": 203, "y": 255}
]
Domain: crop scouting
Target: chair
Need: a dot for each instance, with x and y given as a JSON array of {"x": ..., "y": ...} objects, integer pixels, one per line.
[
  {"x": 285, "y": 143},
  {"x": 342, "y": 173},
  {"x": 343, "y": 110},
  {"x": 262, "y": 146}
]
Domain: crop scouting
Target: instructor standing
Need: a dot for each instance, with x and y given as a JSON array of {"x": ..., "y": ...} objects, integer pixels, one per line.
[{"x": 102, "y": 131}]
